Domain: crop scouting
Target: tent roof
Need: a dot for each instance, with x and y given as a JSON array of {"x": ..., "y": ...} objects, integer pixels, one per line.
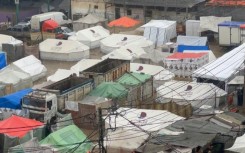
[
  {"x": 159, "y": 24},
  {"x": 111, "y": 90},
  {"x": 210, "y": 53},
  {"x": 124, "y": 21},
  {"x": 133, "y": 79},
  {"x": 226, "y": 3},
  {"x": 84, "y": 64},
  {"x": 60, "y": 74},
  {"x": 9, "y": 126},
  {"x": 185, "y": 55},
  {"x": 91, "y": 34},
  {"x": 90, "y": 19},
  {"x": 192, "y": 40},
  {"x": 238, "y": 80},
  {"x": 9, "y": 40},
  {"x": 61, "y": 140},
  {"x": 13, "y": 100},
  {"x": 231, "y": 24},
  {"x": 158, "y": 72},
  {"x": 224, "y": 67}
]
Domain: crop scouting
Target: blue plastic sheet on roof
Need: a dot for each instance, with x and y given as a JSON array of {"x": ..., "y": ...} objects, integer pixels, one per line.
[
  {"x": 13, "y": 100},
  {"x": 182, "y": 48},
  {"x": 231, "y": 23},
  {"x": 3, "y": 61}
]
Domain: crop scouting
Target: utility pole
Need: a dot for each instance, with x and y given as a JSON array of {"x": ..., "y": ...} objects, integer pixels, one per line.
[
  {"x": 101, "y": 133},
  {"x": 17, "y": 10}
]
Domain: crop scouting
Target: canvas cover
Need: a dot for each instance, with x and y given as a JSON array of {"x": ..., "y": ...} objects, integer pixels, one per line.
[
  {"x": 60, "y": 74},
  {"x": 62, "y": 139},
  {"x": 133, "y": 79},
  {"x": 91, "y": 36},
  {"x": 225, "y": 67},
  {"x": 6, "y": 39},
  {"x": 63, "y": 50},
  {"x": 32, "y": 66},
  {"x": 13, "y": 101},
  {"x": 3, "y": 60},
  {"x": 192, "y": 28},
  {"x": 130, "y": 52},
  {"x": 160, "y": 31},
  {"x": 83, "y": 65},
  {"x": 192, "y": 40},
  {"x": 110, "y": 90},
  {"x": 125, "y": 22},
  {"x": 210, "y": 23},
  {"x": 197, "y": 94},
  {"x": 116, "y": 41}
]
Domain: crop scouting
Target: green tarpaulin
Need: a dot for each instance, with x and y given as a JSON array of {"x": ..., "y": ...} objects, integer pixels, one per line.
[
  {"x": 110, "y": 90},
  {"x": 66, "y": 139},
  {"x": 133, "y": 79}
]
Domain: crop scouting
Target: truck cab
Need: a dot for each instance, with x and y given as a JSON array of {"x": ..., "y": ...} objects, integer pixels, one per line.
[{"x": 40, "y": 105}]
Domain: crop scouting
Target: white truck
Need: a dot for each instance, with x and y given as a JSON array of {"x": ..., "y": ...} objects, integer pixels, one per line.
[{"x": 59, "y": 17}]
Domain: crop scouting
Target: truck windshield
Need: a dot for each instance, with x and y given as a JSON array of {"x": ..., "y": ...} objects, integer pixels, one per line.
[{"x": 34, "y": 102}]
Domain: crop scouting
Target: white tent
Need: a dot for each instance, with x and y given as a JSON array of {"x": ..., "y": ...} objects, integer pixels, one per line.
[
  {"x": 91, "y": 36},
  {"x": 83, "y": 65},
  {"x": 60, "y": 74},
  {"x": 116, "y": 41},
  {"x": 198, "y": 94},
  {"x": 32, "y": 66},
  {"x": 146, "y": 119},
  {"x": 63, "y": 50},
  {"x": 192, "y": 28},
  {"x": 88, "y": 21},
  {"x": 159, "y": 74},
  {"x": 126, "y": 53},
  {"x": 160, "y": 31},
  {"x": 6, "y": 39},
  {"x": 211, "y": 56},
  {"x": 192, "y": 40},
  {"x": 238, "y": 145},
  {"x": 16, "y": 78},
  {"x": 224, "y": 68},
  {"x": 211, "y": 22}
]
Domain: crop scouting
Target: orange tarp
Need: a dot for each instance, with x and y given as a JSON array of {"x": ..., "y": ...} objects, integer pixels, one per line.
[
  {"x": 125, "y": 22},
  {"x": 227, "y": 2},
  {"x": 18, "y": 126},
  {"x": 186, "y": 55}
]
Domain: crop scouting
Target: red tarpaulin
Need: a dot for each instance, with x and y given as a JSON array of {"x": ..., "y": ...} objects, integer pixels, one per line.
[
  {"x": 227, "y": 2},
  {"x": 186, "y": 55},
  {"x": 125, "y": 22},
  {"x": 49, "y": 25},
  {"x": 18, "y": 126}
]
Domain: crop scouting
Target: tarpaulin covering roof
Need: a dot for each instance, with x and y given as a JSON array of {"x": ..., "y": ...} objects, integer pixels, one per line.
[
  {"x": 192, "y": 40},
  {"x": 133, "y": 79},
  {"x": 3, "y": 60},
  {"x": 62, "y": 139},
  {"x": 18, "y": 126},
  {"x": 125, "y": 22},
  {"x": 227, "y": 2},
  {"x": 185, "y": 55},
  {"x": 49, "y": 24},
  {"x": 111, "y": 90},
  {"x": 13, "y": 100},
  {"x": 182, "y": 48}
]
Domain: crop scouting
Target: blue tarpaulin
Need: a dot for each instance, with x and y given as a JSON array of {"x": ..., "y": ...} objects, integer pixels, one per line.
[
  {"x": 13, "y": 100},
  {"x": 3, "y": 61},
  {"x": 182, "y": 48}
]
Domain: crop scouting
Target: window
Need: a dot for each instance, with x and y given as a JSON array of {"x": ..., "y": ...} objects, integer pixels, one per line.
[
  {"x": 96, "y": 6},
  {"x": 148, "y": 13},
  {"x": 129, "y": 12},
  {"x": 49, "y": 104}
]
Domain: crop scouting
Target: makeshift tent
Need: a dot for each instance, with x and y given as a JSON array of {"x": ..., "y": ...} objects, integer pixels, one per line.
[
  {"x": 210, "y": 54},
  {"x": 191, "y": 43},
  {"x": 160, "y": 31},
  {"x": 83, "y": 65},
  {"x": 49, "y": 25},
  {"x": 88, "y": 21},
  {"x": 27, "y": 129},
  {"x": 32, "y": 66},
  {"x": 13, "y": 101},
  {"x": 116, "y": 41},
  {"x": 192, "y": 28},
  {"x": 6, "y": 39},
  {"x": 110, "y": 90},
  {"x": 210, "y": 23},
  {"x": 125, "y": 22},
  {"x": 127, "y": 53},
  {"x": 3, "y": 60},
  {"x": 62, "y": 140},
  {"x": 91, "y": 36},
  {"x": 146, "y": 119},
  {"x": 160, "y": 75},
  {"x": 183, "y": 64},
  {"x": 60, "y": 74},
  {"x": 63, "y": 50},
  {"x": 197, "y": 94},
  {"x": 130, "y": 141},
  {"x": 238, "y": 145},
  {"x": 14, "y": 80},
  {"x": 224, "y": 68}
]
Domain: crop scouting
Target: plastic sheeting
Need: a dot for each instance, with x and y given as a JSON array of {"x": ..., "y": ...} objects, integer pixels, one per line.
[
  {"x": 60, "y": 74},
  {"x": 3, "y": 60},
  {"x": 116, "y": 41},
  {"x": 83, "y": 65},
  {"x": 238, "y": 145},
  {"x": 192, "y": 40},
  {"x": 63, "y": 50},
  {"x": 160, "y": 31},
  {"x": 193, "y": 28},
  {"x": 224, "y": 68},
  {"x": 211, "y": 22}
]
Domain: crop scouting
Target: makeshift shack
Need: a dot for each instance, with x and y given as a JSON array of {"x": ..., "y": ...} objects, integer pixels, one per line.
[
  {"x": 91, "y": 36},
  {"x": 83, "y": 65},
  {"x": 63, "y": 50}
]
